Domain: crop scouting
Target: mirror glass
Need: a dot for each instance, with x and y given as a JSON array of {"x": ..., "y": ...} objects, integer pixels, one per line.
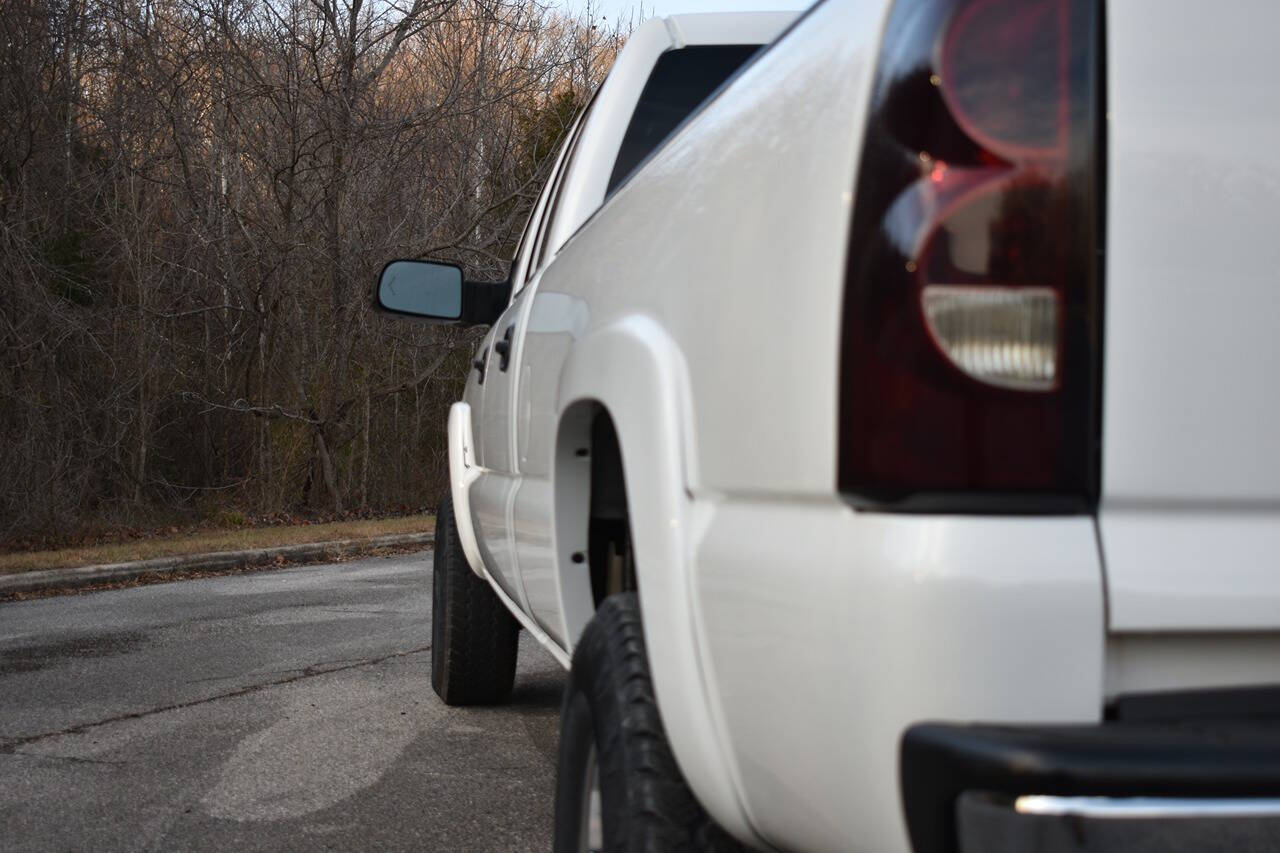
[{"x": 422, "y": 288}]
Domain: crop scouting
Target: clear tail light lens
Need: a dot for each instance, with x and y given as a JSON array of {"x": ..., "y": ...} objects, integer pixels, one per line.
[
  {"x": 970, "y": 351},
  {"x": 1003, "y": 336}
]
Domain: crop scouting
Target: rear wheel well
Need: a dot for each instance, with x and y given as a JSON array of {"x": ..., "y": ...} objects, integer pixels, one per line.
[
  {"x": 591, "y": 518},
  {"x": 609, "y": 551}
]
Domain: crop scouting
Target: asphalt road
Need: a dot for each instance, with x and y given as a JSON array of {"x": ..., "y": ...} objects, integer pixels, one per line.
[{"x": 280, "y": 710}]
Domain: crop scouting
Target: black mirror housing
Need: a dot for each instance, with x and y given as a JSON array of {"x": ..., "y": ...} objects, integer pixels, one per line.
[
  {"x": 436, "y": 292},
  {"x": 484, "y": 301}
]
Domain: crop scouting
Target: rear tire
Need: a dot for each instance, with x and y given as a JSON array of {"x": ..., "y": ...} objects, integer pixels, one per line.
[
  {"x": 611, "y": 736},
  {"x": 473, "y": 636}
]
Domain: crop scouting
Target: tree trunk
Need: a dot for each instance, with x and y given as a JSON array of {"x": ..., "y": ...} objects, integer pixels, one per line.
[
  {"x": 364, "y": 462},
  {"x": 327, "y": 472}
]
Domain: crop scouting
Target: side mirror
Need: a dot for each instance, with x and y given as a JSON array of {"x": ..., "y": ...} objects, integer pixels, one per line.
[
  {"x": 421, "y": 289},
  {"x": 436, "y": 292}
]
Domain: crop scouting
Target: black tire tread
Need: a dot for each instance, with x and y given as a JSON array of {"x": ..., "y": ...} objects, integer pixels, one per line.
[
  {"x": 611, "y": 667},
  {"x": 474, "y": 636}
]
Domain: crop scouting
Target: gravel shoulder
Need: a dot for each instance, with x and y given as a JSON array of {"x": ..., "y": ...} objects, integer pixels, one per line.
[{"x": 94, "y": 577}]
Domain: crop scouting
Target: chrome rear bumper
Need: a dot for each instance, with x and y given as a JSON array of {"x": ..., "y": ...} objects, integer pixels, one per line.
[{"x": 994, "y": 824}]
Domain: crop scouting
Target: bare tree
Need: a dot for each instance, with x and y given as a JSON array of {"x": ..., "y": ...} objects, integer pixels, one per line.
[{"x": 194, "y": 198}]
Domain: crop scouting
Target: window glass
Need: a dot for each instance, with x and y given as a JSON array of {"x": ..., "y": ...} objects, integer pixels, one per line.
[
  {"x": 525, "y": 236},
  {"x": 538, "y": 217},
  {"x": 680, "y": 81},
  {"x": 554, "y": 197}
]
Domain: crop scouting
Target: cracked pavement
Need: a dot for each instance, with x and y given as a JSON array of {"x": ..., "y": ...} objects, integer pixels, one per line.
[{"x": 279, "y": 710}]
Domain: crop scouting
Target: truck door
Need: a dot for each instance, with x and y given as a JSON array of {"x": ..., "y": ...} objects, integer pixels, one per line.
[
  {"x": 493, "y": 493},
  {"x": 493, "y": 490}
]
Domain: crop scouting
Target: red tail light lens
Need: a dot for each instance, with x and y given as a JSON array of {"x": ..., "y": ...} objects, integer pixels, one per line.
[{"x": 970, "y": 360}]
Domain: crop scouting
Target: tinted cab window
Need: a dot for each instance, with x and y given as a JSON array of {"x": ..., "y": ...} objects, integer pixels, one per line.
[{"x": 680, "y": 81}]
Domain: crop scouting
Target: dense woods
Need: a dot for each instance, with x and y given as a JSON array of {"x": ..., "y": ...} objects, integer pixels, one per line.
[{"x": 195, "y": 196}]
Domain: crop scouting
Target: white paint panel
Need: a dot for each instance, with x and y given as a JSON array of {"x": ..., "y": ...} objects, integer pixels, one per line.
[
  {"x": 1147, "y": 663},
  {"x": 1192, "y": 571},
  {"x": 463, "y": 471},
  {"x": 524, "y": 409},
  {"x": 490, "y": 498},
  {"x": 829, "y": 632},
  {"x": 1190, "y": 519},
  {"x": 588, "y": 176},
  {"x": 698, "y": 298},
  {"x": 634, "y": 369},
  {"x": 531, "y": 518},
  {"x": 495, "y": 421},
  {"x": 734, "y": 243},
  {"x": 712, "y": 28}
]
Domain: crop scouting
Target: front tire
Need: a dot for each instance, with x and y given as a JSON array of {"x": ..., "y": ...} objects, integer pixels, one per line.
[
  {"x": 618, "y": 787},
  {"x": 473, "y": 636}
]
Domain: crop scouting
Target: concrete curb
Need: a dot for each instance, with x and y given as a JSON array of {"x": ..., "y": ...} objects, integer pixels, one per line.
[{"x": 217, "y": 560}]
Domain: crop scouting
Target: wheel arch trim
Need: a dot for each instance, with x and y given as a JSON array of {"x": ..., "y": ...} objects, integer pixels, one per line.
[
  {"x": 463, "y": 471},
  {"x": 635, "y": 372}
]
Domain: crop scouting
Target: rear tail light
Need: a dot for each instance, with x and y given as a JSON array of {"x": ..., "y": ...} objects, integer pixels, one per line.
[
  {"x": 1005, "y": 336},
  {"x": 970, "y": 352}
]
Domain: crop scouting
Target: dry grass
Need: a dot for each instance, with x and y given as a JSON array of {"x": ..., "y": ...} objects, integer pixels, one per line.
[{"x": 202, "y": 542}]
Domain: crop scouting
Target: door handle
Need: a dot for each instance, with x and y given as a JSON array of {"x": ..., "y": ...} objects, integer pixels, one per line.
[
  {"x": 503, "y": 348},
  {"x": 480, "y": 360}
]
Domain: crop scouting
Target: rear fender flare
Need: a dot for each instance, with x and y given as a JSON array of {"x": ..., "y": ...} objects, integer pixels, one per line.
[{"x": 636, "y": 372}]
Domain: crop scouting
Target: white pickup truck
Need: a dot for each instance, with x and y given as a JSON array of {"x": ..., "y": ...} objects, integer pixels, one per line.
[{"x": 893, "y": 456}]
